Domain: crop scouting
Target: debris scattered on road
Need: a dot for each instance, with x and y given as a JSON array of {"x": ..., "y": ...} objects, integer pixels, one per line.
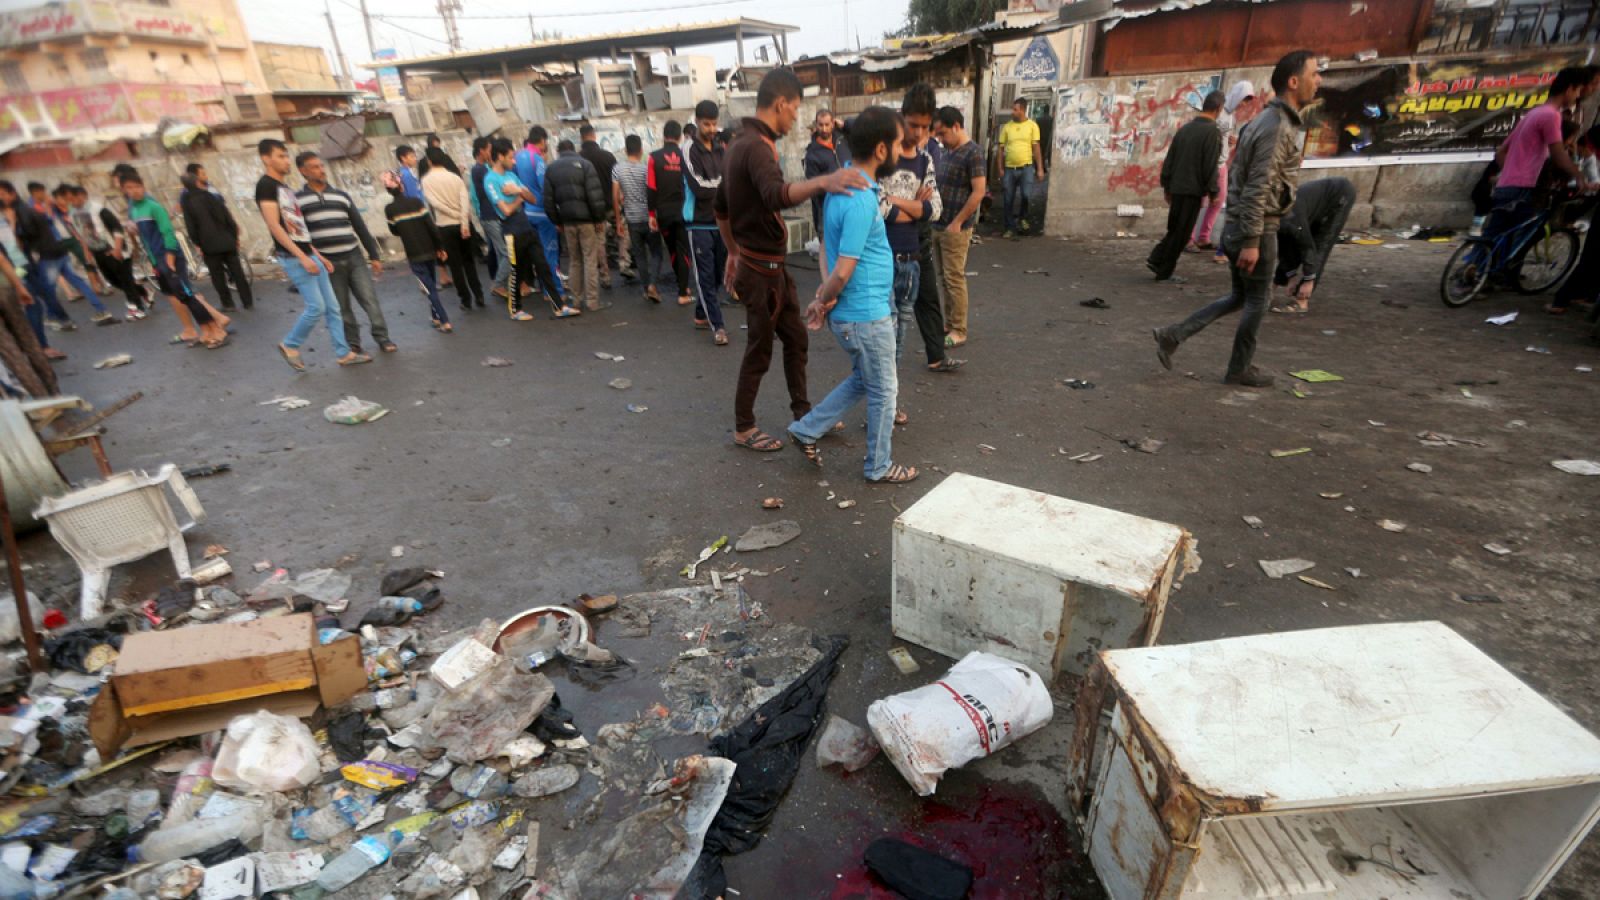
[
  {"x": 1277, "y": 568},
  {"x": 772, "y": 503},
  {"x": 595, "y": 605},
  {"x": 845, "y": 744},
  {"x": 1437, "y": 439},
  {"x": 1584, "y": 369},
  {"x": 910, "y": 871},
  {"x": 500, "y": 442},
  {"x": 1498, "y": 549},
  {"x": 1078, "y": 384},
  {"x": 1544, "y": 350},
  {"x": 1316, "y": 583},
  {"x": 1391, "y": 525},
  {"x": 1146, "y": 445},
  {"x": 1280, "y": 454},
  {"x": 286, "y": 403},
  {"x": 1479, "y": 598},
  {"x": 1316, "y": 376},
  {"x": 846, "y": 504},
  {"x": 1331, "y": 495},
  {"x": 614, "y": 357},
  {"x": 1352, "y": 571},
  {"x": 1577, "y": 466},
  {"x": 1253, "y": 521},
  {"x": 1036, "y": 272},
  {"x": 353, "y": 410},
  {"x": 767, "y": 535},
  {"x": 1095, "y": 303},
  {"x": 903, "y": 661},
  {"x": 636, "y": 408},
  {"x": 1424, "y": 468},
  {"x": 621, "y": 384},
  {"x": 397, "y": 551},
  {"x": 1505, "y": 319},
  {"x": 985, "y": 449},
  {"x": 495, "y": 362},
  {"x": 707, "y": 553}
]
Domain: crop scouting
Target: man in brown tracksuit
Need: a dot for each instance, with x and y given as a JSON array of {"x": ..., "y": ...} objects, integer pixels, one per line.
[{"x": 750, "y": 204}]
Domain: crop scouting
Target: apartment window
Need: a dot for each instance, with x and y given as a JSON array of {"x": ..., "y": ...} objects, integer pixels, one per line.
[
  {"x": 94, "y": 60},
  {"x": 11, "y": 75},
  {"x": 58, "y": 61},
  {"x": 1547, "y": 23}
]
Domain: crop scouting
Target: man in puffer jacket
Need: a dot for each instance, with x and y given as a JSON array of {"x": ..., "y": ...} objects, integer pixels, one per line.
[
  {"x": 1261, "y": 189},
  {"x": 575, "y": 201}
]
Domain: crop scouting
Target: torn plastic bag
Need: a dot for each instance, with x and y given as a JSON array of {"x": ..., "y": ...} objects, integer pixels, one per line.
[
  {"x": 266, "y": 752},
  {"x": 845, "y": 743},
  {"x": 767, "y": 748},
  {"x": 346, "y": 733},
  {"x": 476, "y": 720},
  {"x": 554, "y": 723},
  {"x": 84, "y": 650}
]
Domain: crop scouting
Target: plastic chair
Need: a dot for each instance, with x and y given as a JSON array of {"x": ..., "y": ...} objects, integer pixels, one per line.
[{"x": 126, "y": 517}]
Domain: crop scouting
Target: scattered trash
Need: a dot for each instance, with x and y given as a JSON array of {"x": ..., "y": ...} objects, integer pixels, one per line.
[
  {"x": 1391, "y": 525},
  {"x": 1584, "y": 369},
  {"x": 1085, "y": 457},
  {"x": 915, "y": 873},
  {"x": 846, "y": 504},
  {"x": 772, "y": 503},
  {"x": 112, "y": 362},
  {"x": 352, "y": 410},
  {"x": 928, "y": 731},
  {"x": 495, "y": 362},
  {"x": 985, "y": 449},
  {"x": 206, "y": 471},
  {"x": 1277, "y": 568},
  {"x": 397, "y": 551},
  {"x": 903, "y": 661},
  {"x": 266, "y": 752},
  {"x": 1253, "y": 521},
  {"x": 1498, "y": 549},
  {"x": 1352, "y": 572},
  {"x": 1147, "y": 445},
  {"x": 286, "y": 403},
  {"x": 1316, "y": 583},
  {"x": 500, "y": 442},
  {"x": 621, "y": 384},
  {"x": 636, "y": 408},
  {"x": 1036, "y": 271},
  {"x": 1577, "y": 466},
  {"x": 1544, "y": 350},
  {"x": 1424, "y": 468},
  {"x": 707, "y": 553},
  {"x": 614, "y": 357},
  {"x": 845, "y": 744},
  {"x": 1505, "y": 319},
  {"x": 1095, "y": 303},
  {"x": 1436, "y": 439},
  {"x": 1078, "y": 384},
  {"x": 1316, "y": 376},
  {"x": 1280, "y": 454},
  {"x": 1479, "y": 598},
  {"x": 768, "y": 535}
]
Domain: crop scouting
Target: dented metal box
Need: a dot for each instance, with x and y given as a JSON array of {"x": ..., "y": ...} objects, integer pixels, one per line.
[
  {"x": 1378, "y": 761},
  {"x": 980, "y": 565}
]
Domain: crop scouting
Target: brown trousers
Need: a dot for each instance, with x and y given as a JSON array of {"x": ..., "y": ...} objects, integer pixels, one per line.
[{"x": 772, "y": 310}]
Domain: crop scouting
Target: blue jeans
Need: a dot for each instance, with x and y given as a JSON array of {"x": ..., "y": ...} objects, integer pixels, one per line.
[
  {"x": 1016, "y": 184},
  {"x": 497, "y": 249},
  {"x": 426, "y": 273},
  {"x": 316, "y": 292},
  {"x": 907, "y": 284},
  {"x": 710, "y": 261},
  {"x": 870, "y": 346},
  {"x": 42, "y": 285},
  {"x": 1510, "y": 207},
  {"x": 61, "y": 267}
]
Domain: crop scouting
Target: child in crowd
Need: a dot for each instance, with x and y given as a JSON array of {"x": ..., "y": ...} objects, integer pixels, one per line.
[{"x": 408, "y": 219}]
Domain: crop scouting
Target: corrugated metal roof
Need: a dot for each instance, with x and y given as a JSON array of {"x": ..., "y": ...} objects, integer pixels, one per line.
[{"x": 621, "y": 39}]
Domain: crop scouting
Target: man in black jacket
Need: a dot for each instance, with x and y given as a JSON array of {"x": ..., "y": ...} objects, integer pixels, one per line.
[
  {"x": 212, "y": 229},
  {"x": 664, "y": 193},
  {"x": 703, "y": 163},
  {"x": 1188, "y": 177},
  {"x": 575, "y": 202},
  {"x": 824, "y": 155},
  {"x": 603, "y": 162}
]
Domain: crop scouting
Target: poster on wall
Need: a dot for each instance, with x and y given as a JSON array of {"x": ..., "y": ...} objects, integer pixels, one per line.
[
  {"x": 1427, "y": 107},
  {"x": 390, "y": 85},
  {"x": 1038, "y": 62}
]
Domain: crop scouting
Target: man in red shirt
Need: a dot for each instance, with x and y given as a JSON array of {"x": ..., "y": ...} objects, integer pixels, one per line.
[{"x": 750, "y": 203}]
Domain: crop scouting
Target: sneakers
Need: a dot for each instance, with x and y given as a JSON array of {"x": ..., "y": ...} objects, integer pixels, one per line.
[
  {"x": 1251, "y": 377},
  {"x": 1166, "y": 345},
  {"x": 103, "y": 318},
  {"x": 135, "y": 312},
  {"x": 522, "y": 315},
  {"x": 1009, "y": 235},
  {"x": 61, "y": 325}
]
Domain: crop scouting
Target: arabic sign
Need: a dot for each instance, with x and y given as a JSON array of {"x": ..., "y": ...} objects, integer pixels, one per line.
[
  {"x": 390, "y": 84},
  {"x": 75, "y": 17},
  {"x": 1038, "y": 62},
  {"x": 106, "y": 105},
  {"x": 42, "y": 23},
  {"x": 1425, "y": 107}
]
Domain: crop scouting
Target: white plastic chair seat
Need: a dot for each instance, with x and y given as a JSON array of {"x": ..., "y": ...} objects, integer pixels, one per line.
[{"x": 126, "y": 517}]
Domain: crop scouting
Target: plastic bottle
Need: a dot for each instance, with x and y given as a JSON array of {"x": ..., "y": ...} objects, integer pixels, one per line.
[
  {"x": 194, "y": 786},
  {"x": 362, "y": 856},
  {"x": 193, "y": 837},
  {"x": 339, "y": 816},
  {"x": 473, "y": 782}
]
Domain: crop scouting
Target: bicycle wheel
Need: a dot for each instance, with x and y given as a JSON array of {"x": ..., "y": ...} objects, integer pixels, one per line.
[
  {"x": 1466, "y": 273},
  {"x": 1547, "y": 262}
]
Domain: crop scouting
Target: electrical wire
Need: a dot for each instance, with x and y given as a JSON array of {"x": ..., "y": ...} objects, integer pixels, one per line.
[{"x": 606, "y": 12}]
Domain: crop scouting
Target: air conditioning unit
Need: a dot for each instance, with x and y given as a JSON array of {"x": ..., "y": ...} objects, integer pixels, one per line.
[
  {"x": 487, "y": 102},
  {"x": 250, "y": 107},
  {"x": 690, "y": 79},
  {"x": 607, "y": 89},
  {"x": 413, "y": 118}
]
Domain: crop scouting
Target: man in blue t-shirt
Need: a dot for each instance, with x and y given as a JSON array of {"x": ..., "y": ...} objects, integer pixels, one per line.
[
  {"x": 857, "y": 302},
  {"x": 508, "y": 199}
]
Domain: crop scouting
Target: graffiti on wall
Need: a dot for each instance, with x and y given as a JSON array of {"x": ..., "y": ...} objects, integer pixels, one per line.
[{"x": 1127, "y": 123}]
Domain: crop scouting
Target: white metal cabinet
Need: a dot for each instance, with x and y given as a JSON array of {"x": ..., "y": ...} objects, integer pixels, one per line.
[
  {"x": 1379, "y": 761},
  {"x": 980, "y": 565}
]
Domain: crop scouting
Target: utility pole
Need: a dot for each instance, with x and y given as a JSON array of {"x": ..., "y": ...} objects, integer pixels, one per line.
[
  {"x": 344, "y": 64},
  {"x": 533, "y": 33},
  {"x": 447, "y": 11},
  {"x": 366, "y": 22}
]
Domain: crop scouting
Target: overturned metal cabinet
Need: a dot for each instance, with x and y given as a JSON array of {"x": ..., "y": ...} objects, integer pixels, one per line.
[
  {"x": 1380, "y": 761},
  {"x": 1042, "y": 580}
]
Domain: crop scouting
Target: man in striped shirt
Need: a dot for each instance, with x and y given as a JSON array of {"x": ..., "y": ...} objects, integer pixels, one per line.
[{"x": 339, "y": 234}]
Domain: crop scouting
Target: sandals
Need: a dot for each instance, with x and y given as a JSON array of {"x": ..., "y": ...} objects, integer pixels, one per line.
[
  {"x": 292, "y": 357},
  {"x": 217, "y": 344},
  {"x": 355, "y": 359},
  {"x": 720, "y": 338},
  {"x": 946, "y": 365},
  {"x": 1291, "y": 309},
  {"x": 897, "y": 474},
  {"x": 685, "y": 300},
  {"x": 759, "y": 441},
  {"x": 812, "y": 454},
  {"x": 952, "y": 340},
  {"x": 901, "y": 418},
  {"x": 387, "y": 346},
  {"x": 444, "y": 328}
]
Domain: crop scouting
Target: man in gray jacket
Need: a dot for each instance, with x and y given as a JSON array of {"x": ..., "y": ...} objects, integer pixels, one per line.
[
  {"x": 1188, "y": 177},
  {"x": 1261, "y": 188}
]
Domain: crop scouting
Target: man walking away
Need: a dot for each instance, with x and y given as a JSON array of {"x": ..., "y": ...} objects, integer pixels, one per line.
[
  {"x": 61, "y": 220},
  {"x": 108, "y": 243},
  {"x": 703, "y": 163},
  {"x": 1024, "y": 163},
  {"x": 201, "y": 323},
  {"x": 305, "y": 268},
  {"x": 822, "y": 158},
  {"x": 630, "y": 191},
  {"x": 962, "y": 182},
  {"x": 340, "y": 234},
  {"x": 408, "y": 220},
  {"x": 1261, "y": 188},
  {"x": 664, "y": 180},
  {"x": 855, "y": 302},
  {"x": 446, "y": 196},
  {"x": 499, "y": 269},
  {"x": 1306, "y": 237},
  {"x": 575, "y": 202},
  {"x": 509, "y": 198},
  {"x": 212, "y": 228},
  {"x": 750, "y": 205},
  {"x": 910, "y": 199},
  {"x": 1523, "y": 153},
  {"x": 604, "y": 163},
  {"x": 1188, "y": 178}
]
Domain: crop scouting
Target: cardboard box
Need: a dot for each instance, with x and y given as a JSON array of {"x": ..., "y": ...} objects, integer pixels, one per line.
[{"x": 170, "y": 684}]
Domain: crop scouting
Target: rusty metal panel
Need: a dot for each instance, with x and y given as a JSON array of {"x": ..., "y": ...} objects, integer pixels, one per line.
[
  {"x": 1127, "y": 841},
  {"x": 1222, "y": 35}
]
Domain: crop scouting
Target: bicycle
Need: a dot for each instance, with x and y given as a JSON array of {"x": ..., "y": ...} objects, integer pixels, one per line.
[{"x": 1533, "y": 255}]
